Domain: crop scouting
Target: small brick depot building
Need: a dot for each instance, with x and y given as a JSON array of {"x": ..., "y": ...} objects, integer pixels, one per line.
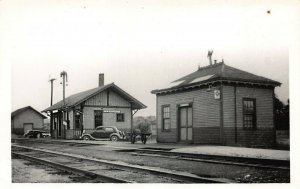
[
  {"x": 26, "y": 118},
  {"x": 217, "y": 104},
  {"x": 105, "y": 105}
]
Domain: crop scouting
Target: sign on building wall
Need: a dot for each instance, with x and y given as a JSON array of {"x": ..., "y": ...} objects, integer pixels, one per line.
[
  {"x": 111, "y": 111},
  {"x": 217, "y": 94}
]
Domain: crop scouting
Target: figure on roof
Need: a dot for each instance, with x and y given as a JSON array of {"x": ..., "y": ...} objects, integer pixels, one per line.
[{"x": 209, "y": 55}]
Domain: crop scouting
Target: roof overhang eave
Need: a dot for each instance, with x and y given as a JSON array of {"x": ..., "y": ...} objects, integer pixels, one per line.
[{"x": 181, "y": 88}]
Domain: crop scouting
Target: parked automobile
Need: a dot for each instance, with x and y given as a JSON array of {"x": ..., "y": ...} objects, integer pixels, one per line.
[
  {"x": 36, "y": 134},
  {"x": 104, "y": 132}
]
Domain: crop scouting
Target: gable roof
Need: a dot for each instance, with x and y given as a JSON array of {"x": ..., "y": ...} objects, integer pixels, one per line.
[
  {"x": 217, "y": 72},
  {"x": 18, "y": 111},
  {"x": 78, "y": 98}
]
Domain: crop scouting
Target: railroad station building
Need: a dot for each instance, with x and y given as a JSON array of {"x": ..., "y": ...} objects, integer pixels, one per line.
[
  {"x": 105, "y": 105},
  {"x": 217, "y": 104}
]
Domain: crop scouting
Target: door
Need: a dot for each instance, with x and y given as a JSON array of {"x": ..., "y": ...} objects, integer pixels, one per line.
[
  {"x": 27, "y": 126},
  {"x": 185, "y": 124},
  {"x": 98, "y": 118},
  {"x": 108, "y": 132},
  {"x": 99, "y": 133}
]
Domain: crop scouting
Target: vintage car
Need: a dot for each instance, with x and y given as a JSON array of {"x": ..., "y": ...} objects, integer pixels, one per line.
[
  {"x": 104, "y": 132},
  {"x": 36, "y": 134}
]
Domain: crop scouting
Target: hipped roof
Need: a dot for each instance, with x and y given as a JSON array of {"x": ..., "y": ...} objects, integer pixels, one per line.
[
  {"x": 217, "y": 72},
  {"x": 18, "y": 111},
  {"x": 79, "y": 98}
]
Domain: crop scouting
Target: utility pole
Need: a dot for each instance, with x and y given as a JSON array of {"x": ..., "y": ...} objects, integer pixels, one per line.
[
  {"x": 64, "y": 75},
  {"x": 51, "y": 80},
  {"x": 51, "y": 101}
]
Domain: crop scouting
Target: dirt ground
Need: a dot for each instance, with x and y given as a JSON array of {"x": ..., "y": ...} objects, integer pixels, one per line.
[{"x": 24, "y": 171}]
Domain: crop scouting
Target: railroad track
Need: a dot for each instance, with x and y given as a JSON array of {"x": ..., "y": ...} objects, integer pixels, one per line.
[
  {"x": 166, "y": 153},
  {"x": 107, "y": 171},
  {"x": 215, "y": 159}
]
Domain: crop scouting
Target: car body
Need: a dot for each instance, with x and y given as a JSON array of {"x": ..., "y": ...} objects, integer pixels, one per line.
[
  {"x": 104, "y": 132},
  {"x": 36, "y": 134}
]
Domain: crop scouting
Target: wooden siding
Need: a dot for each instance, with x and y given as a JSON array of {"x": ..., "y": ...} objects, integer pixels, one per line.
[
  {"x": 264, "y": 134},
  {"x": 101, "y": 100},
  {"x": 262, "y": 137},
  {"x": 228, "y": 106},
  {"x": 264, "y": 106},
  {"x": 117, "y": 100},
  {"x": 206, "y": 116},
  {"x": 206, "y": 135},
  {"x": 109, "y": 119},
  {"x": 98, "y": 100},
  {"x": 167, "y": 136},
  {"x": 27, "y": 116},
  {"x": 206, "y": 112}
]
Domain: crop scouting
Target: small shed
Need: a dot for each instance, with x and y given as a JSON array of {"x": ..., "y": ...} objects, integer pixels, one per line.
[
  {"x": 217, "y": 104},
  {"x": 26, "y": 118}
]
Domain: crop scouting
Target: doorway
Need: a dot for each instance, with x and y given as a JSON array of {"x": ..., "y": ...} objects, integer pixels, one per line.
[
  {"x": 98, "y": 118},
  {"x": 27, "y": 126},
  {"x": 186, "y": 124}
]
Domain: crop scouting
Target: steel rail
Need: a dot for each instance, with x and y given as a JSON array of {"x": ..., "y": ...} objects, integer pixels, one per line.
[
  {"x": 99, "y": 177},
  {"x": 216, "y": 159},
  {"x": 241, "y": 161},
  {"x": 172, "y": 156},
  {"x": 181, "y": 176}
]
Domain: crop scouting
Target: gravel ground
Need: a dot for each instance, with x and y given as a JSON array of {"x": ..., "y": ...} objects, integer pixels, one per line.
[
  {"x": 234, "y": 173},
  {"x": 238, "y": 152},
  {"x": 24, "y": 171}
]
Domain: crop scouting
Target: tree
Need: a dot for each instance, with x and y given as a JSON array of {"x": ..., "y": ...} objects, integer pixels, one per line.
[{"x": 282, "y": 117}]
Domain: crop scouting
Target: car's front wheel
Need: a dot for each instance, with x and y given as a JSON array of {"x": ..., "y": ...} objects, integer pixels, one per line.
[
  {"x": 114, "y": 138},
  {"x": 86, "y": 138}
]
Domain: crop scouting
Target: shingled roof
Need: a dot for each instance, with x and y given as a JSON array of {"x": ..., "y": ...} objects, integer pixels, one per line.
[
  {"x": 78, "y": 98},
  {"x": 217, "y": 72},
  {"x": 18, "y": 111}
]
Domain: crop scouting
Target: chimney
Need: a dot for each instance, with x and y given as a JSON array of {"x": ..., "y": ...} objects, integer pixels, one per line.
[
  {"x": 209, "y": 55},
  {"x": 101, "y": 79}
]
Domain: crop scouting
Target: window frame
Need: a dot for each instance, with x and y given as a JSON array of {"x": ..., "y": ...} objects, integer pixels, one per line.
[
  {"x": 164, "y": 118},
  {"x": 123, "y": 117},
  {"x": 253, "y": 114}
]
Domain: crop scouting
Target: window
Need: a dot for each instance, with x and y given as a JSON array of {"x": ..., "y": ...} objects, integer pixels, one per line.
[
  {"x": 100, "y": 128},
  {"x": 98, "y": 118},
  {"x": 77, "y": 120},
  {"x": 249, "y": 112},
  {"x": 120, "y": 117},
  {"x": 109, "y": 130},
  {"x": 166, "y": 125}
]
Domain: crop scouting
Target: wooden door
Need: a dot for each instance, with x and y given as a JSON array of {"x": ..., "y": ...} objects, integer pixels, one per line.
[
  {"x": 27, "y": 126},
  {"x": 185, "y": 124},
  {"x": 98, "y": 118}
]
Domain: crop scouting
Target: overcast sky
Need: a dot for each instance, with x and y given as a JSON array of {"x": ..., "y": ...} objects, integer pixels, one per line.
[{"x": 138, "y": 45}]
